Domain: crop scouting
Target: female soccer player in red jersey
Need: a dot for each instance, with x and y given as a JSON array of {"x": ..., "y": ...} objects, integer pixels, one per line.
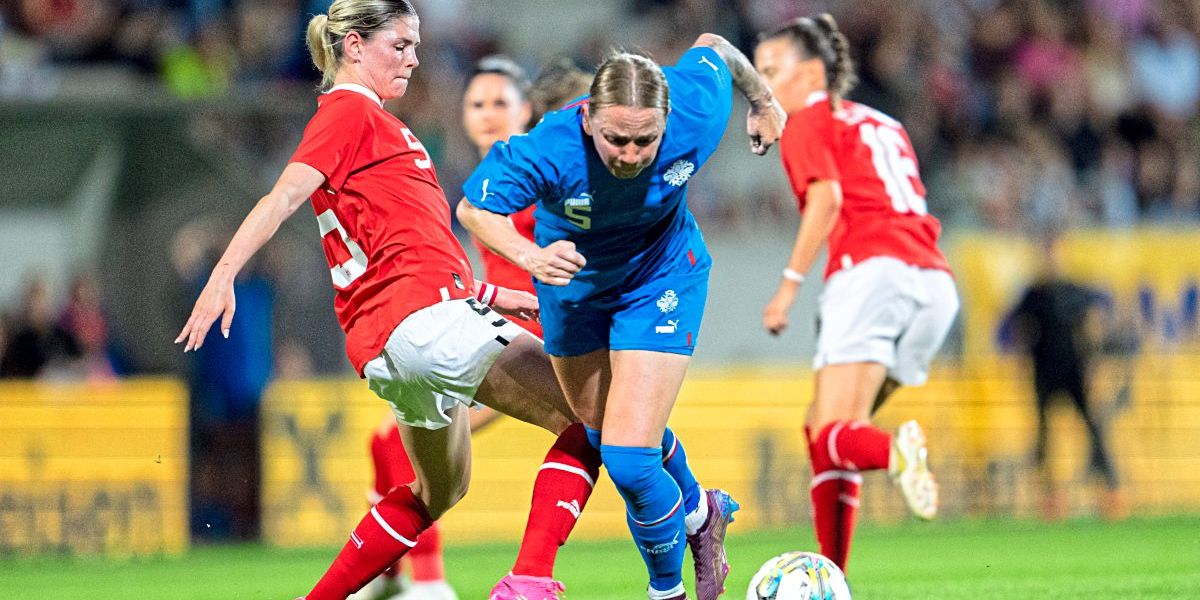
[
  {"x": 418, "y": 325},
  {"x": 889, "y": 299},
  {"x": 496, "y": 104}
]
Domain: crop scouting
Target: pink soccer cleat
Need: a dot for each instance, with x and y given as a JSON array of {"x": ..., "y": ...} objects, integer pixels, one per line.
[
  {"x": 708, "y": 545},
  {"x": 526, "y": 587}
]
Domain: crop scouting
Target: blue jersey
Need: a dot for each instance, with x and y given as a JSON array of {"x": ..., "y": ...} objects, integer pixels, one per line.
[{"x": 626, "y": 229}]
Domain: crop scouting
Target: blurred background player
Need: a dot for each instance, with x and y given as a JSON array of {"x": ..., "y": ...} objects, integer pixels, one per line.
[
  {"x": 432, "y": 346},
  {"x": 498, "y": 102},
  {"x": 1057, "y": 322},
  {"x": 557, "y": 84},
  {"x": 634, "y": 292},
  {"x": 889, "y": 299},
  {"x": 496, "y": 105}
]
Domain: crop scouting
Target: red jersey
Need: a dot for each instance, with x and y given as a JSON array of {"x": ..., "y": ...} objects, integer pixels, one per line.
[
  {"x": 383, "y": 217},
  {"x": 883, "y": 200},
  {"x": 498, "y": 271}
]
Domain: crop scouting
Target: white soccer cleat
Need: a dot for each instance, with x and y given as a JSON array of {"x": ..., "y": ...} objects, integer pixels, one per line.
[
  {"x": 909, "y": 469},
  {"x": 375, "y": 589},
  {"x": 427, "y": 591}
]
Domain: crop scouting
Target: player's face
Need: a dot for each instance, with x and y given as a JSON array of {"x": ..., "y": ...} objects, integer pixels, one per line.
[
  {"x": 626, "y": 138},
  {"x": 790, "y": 77},
  {"x": 389, "y": 57},
  {"x": 493, "y": 110}
]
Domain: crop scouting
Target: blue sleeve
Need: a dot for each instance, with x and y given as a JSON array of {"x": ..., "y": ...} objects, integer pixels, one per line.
[
  {"x": 510, "y": 178},
  {"x": 701, "y": 88}
]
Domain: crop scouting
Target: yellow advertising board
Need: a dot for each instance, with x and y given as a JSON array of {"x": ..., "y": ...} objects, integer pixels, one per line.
[
  {"x": 1151, "y": 277},
  {"x": 742, "y": 431},
  {"x": 93, "y": 468}
]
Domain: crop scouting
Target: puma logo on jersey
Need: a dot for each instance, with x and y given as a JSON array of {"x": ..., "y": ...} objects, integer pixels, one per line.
[
  {"x": 571, "y": 507},
  {"x": 358, "y": 543},
  {"x": 668, "y": 328},
  {"x": 483, "y": 198},
  {"x": 704, "y": 61},
  {"x": 584, "y": 199}
]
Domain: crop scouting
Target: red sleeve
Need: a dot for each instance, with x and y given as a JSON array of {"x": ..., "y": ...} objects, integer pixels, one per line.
[
  {"x": 807, "y": 148},
  {"x": 332, "y": 139}
]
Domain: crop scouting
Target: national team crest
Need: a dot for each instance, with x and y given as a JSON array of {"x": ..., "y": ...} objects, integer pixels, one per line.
[
  {"x": 668, "y": 302},
  {"x": 679, "y": 172}
]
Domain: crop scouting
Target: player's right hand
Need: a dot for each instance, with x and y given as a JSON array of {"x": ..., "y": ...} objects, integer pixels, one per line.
[
  {"x": 555, "y": 264},
  {"x": 215, "y": 301},
  {"x": 775, "y": 315}
]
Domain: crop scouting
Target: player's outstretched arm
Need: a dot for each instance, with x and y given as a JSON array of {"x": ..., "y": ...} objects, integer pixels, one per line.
[
  {"x": 294, "y": 186},
  {"x": 823, "y": 203},
  {"x": 766, "y": 119},
  {"x": 555, "y": 264}
]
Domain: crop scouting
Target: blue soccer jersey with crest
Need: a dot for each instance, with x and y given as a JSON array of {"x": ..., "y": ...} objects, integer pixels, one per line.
[{"x": 645, "y": 282}]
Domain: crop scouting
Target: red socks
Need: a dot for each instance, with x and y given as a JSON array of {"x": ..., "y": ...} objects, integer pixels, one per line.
[
  {"x": 856, "y": 445},
  {"x": 392, "y": 468},
  {"x": 390, "y": 459},
  {"x": 388, "y": 531},
  {"x": 839, "y": 451},
  {"x": 426, "y": 557},
  {"x": 560, "y": 492}
]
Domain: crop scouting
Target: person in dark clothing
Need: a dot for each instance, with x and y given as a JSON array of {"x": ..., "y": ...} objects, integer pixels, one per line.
[
  {"x": 1056, "y": 322},
  {"x": 34, "y": 341},
  {"x": 226, "y": 382}
]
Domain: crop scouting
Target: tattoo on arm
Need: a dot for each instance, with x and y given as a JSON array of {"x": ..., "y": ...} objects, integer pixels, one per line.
[{"x": 745, "y": 77}]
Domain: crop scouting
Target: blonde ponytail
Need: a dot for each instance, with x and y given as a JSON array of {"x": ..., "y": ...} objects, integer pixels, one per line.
[{"x": 321, "y": 49}]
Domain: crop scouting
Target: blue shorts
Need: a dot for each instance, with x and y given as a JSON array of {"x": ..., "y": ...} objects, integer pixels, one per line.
[{"x": 661, "y": 314}]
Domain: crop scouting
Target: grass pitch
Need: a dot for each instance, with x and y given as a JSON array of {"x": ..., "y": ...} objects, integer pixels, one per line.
[{"x": 1136, "y": 559}]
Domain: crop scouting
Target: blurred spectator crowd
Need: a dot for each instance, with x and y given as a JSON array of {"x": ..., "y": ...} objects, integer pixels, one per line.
[
  {"x": 67, "y": 339},
  {"x": 1027, "y": 114}
]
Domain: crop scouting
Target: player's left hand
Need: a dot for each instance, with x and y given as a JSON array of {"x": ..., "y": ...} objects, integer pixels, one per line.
[
  {"x": 516, "y": 304},
  {"x": 775, "y": 315},
  {"x": 765, "y": 125}
]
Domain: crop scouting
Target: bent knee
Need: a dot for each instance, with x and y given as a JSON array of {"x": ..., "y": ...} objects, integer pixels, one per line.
[
  {"x": 631, "y": 469},
  {"x": 440, "y": 499}
]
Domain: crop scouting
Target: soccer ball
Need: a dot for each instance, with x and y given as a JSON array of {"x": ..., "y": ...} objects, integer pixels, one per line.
[{"x": 799, "y": 576}]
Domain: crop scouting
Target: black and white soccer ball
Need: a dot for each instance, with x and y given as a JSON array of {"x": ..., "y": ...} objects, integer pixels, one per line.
[{"x": 799, "y": 576}]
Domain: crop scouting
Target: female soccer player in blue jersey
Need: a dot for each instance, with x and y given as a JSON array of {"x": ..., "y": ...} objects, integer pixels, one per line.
[{"x": 622, "y": 273}]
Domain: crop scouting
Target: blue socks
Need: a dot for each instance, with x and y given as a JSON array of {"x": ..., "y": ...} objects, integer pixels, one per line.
[
  {"x": 654, "y": 509},
  {"x": 674, "y": 461}
]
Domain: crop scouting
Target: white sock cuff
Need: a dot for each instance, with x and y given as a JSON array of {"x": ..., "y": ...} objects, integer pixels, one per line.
[
  {"x": 667, "y": 595},
  {"x": 694, "y": 520}
]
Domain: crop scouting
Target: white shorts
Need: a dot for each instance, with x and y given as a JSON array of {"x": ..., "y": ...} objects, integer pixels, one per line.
[
  {"x": 885, "y": 311},
  {"x": 437, "y": 358}
]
